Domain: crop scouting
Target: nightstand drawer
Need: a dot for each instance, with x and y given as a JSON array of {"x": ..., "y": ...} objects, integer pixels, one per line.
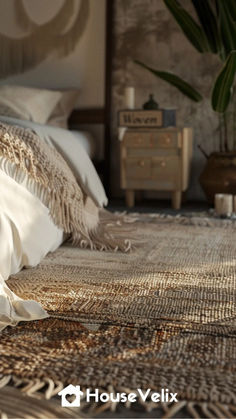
[
  {"x": 166, "y": 169},
  {"x": 137, "y": 139},
  {"x": 137, "y": 168},
  {"x": 148, "y": 152},
  {"x": 164, "y": 140}
]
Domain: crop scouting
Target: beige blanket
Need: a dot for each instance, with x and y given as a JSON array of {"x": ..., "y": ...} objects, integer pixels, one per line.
[{"x": 50, "y": 179}]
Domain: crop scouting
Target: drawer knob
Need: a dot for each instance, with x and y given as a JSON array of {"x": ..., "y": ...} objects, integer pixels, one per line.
[
  {"x": 141, "y": 163},
  {"x": 168, "y": 140},
  {"x": 163, "y": 164}
]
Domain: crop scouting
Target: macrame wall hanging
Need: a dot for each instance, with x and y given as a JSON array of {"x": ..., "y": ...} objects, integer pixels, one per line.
[{"x": 56, "y": 35}]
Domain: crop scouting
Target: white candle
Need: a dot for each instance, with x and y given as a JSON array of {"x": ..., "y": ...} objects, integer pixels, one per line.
[
  {"x": 223, "y": 204},
  {"x": 234, "y": 206},
  {"x": 129, "y": 97}
]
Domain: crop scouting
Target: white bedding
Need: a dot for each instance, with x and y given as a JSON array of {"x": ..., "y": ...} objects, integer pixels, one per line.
[
  {"x": 27, "y": 232},
  {"x": 87, "y": 141}
]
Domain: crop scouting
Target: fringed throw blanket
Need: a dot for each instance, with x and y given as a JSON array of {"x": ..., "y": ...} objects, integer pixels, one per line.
[{"x": 50, "y": 179}]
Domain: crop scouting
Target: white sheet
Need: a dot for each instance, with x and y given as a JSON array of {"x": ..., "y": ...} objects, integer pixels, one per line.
[
  {"x": 27, "y": 234},
  {"x": 87, "y": 141}
]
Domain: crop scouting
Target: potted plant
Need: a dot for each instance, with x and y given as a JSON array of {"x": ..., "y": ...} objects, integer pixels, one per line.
[{"x": 215, "y": 32}]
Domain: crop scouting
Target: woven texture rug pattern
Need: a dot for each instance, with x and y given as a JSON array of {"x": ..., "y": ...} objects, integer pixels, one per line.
[
  {"x": 165, "y": 316},
  {"x": 178, "y": 272}
]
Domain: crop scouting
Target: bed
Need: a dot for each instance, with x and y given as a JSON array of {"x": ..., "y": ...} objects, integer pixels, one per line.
[{"x": 24, "y": 219}]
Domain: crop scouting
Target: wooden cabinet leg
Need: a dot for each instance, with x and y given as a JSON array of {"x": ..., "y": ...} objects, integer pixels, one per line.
[
  {"x": 129, "y": 197},
  {"x": 176, "y": 199}
]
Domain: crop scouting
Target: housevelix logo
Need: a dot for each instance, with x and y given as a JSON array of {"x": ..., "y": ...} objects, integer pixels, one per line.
[{"x": 96, "y": 396}]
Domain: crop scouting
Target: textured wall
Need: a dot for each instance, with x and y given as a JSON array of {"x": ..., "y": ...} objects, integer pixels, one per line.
[{"x": 145, "y": 30}]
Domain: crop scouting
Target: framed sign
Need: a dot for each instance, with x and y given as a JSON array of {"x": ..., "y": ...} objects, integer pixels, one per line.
[{"x": 139, "y": 118}]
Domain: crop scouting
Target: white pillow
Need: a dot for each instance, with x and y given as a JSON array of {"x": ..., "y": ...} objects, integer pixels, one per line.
[
  {"x": 63, "y": 109},
  {"x": 30, "y": 104}
]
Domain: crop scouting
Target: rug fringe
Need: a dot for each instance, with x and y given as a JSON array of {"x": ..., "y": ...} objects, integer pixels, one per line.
[
  {"x": 47, "y": 389},
  {"x": 199, "y": 219},
  {"x": 38, "y": 388}
]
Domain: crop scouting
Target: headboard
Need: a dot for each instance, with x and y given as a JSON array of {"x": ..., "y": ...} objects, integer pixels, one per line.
[{"x": 101, "y": 116}]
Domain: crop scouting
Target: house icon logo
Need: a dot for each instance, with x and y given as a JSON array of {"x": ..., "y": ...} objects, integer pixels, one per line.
[{"x": 69, "y": 391}]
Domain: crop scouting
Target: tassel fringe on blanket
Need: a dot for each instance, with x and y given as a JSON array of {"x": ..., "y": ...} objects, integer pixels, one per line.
[{"x": 25, "y": 157}]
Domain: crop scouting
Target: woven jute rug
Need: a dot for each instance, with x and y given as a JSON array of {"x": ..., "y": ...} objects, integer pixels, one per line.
[
  {"x": 163, "y": 317},
  {"x": 16, "y": 404}
]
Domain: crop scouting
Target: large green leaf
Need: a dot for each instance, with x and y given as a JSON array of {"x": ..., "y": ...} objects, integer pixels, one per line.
[
  {"x": 231, "y": 4},
  {"x": 175, "y": 81},
  {"x": 227, "y": 26},
  {"x": 209, "y": 24},
  {"x": 191, "y": 29},
  {"x": 223, "y": 85}
]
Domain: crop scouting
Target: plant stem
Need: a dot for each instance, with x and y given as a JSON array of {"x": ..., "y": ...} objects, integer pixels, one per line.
[
  {"x": 220, "y": 132},
  {"x": 234, "y": 119},
  {"x": 203, "y": 152},
  {"x": 226, "y": 147}
]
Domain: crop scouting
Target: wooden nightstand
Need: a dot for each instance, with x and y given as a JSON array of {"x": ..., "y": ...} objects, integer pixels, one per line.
[{"x": 156, "y": 159}]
